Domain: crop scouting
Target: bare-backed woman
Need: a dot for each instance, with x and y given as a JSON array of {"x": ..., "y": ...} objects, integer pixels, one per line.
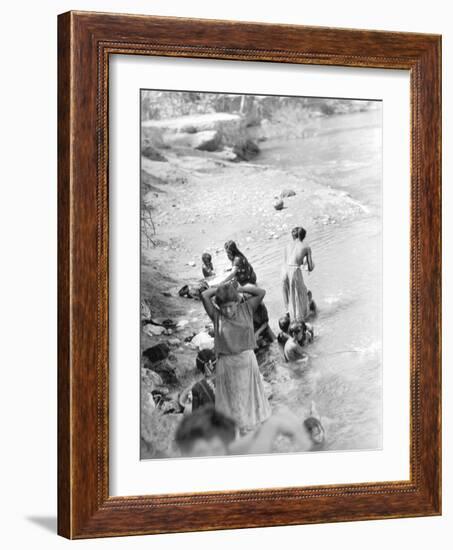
[{"x": 295, "y": 293}]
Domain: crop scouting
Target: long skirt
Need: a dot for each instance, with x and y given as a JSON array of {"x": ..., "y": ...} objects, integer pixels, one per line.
[
  {"x": 295, "y": 293},
  {"x": 239, "y": 391}
]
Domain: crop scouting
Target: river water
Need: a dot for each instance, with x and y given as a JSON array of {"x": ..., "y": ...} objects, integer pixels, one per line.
[{"x": 343, "y": 375}]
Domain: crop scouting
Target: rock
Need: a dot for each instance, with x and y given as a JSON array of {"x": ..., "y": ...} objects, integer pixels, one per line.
[
  {"x": 145, "y": 312},
  {"x": 174, "y": 341},
  {"x": 150, "y": 379},
  {"x": 192, "y": 264},
  {"x": 162, "y": 173},
  {"x": 167, "y": 373},
  {"x": 153, "y": 330},
  {"x": 246, "y": 149},
  {"x": 279, "y": 204},
  {"x": 287, "y": 193},
  {"x": 165, "y": 322},
  {"x": 225, "y": 154},
  {"x": 164, "y": 370},
  {"x": 209, "y": 140},
  {"x": 147, "y": 407},
  {"x": 151, "y": 153},
  {"x": 156, "y": 353}
]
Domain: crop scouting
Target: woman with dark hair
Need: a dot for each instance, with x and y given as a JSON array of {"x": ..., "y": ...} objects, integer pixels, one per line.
[
  {"x": 202, "y": 393},
  {"x": 283, "y": 335},
  {"x": 241, "y": 271},
  {"x": 295, "y": 293},
  {"x": 239, "y": 388}
]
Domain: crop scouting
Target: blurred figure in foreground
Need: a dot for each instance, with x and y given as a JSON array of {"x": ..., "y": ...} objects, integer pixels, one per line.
[{"x": 208, "y": 432}]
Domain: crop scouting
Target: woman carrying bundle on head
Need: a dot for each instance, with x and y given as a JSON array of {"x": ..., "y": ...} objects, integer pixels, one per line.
[
  {"x": 241, "y": 271},
  {"x": 295, "y": 293},
  {"x": 239, "y": 387}
]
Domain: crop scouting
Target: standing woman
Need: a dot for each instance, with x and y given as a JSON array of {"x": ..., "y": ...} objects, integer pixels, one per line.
[
  {"x": 295, "y": 293},
  {"x": 239, "y": 387},
  {"x": 241, "y": 271}
]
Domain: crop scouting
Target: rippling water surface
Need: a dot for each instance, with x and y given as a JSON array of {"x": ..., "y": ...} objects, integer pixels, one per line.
[{"x": 343, "y": 374}]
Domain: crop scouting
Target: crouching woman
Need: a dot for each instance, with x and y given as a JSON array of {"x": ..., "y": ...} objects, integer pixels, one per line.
[{"x": 239, "y": 387}]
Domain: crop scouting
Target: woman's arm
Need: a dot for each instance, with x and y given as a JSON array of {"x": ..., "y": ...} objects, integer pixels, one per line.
[
  {"x": 206, "y": 298},
  {"x": 261, "y": 329},
  {"x": 310, "y": 263},
  {"x": 230, "y": 276},
  {"x": 256, "y": 292}
]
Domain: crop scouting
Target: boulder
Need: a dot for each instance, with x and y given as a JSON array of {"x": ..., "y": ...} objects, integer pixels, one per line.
[
  {"x": 151, "y": 153},
  {"x": 226, "y": 155},
  {"x": 287, "y": 193},
  {"x": 145, "y": 312},
  {"x": 279, "y": 204},
  {"x": 246, "y": 149},
  {"x": 208, "y": 140},
  {"x": 174, "y": 341},
  {"x": 153, "y": 330},
  {"x": 156, "y": 353},
  {"x": 150, "y": 379},
  {"x": 165, "y": 371}
]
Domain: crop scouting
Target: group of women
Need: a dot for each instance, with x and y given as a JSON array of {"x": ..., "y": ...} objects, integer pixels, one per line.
[{"x": 239, "y": 390}]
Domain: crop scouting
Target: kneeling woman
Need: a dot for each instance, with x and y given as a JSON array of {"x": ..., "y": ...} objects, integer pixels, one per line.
[{"x": 239, "y": 387}]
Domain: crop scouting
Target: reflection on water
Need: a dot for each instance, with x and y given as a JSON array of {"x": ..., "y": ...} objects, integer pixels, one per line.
[{"x": 343, "y": 375}]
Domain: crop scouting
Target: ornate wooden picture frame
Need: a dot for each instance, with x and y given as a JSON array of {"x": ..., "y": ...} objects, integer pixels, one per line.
[{"x": 85, "y": 507}]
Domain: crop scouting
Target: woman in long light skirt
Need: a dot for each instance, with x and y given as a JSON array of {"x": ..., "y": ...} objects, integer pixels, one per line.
[
  {"x": 239, "y": 386},
  {"x": 295, "y": 292}
]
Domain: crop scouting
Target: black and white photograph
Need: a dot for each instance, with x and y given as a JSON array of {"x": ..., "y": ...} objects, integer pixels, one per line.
[{"x": 261, "y": 274}]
